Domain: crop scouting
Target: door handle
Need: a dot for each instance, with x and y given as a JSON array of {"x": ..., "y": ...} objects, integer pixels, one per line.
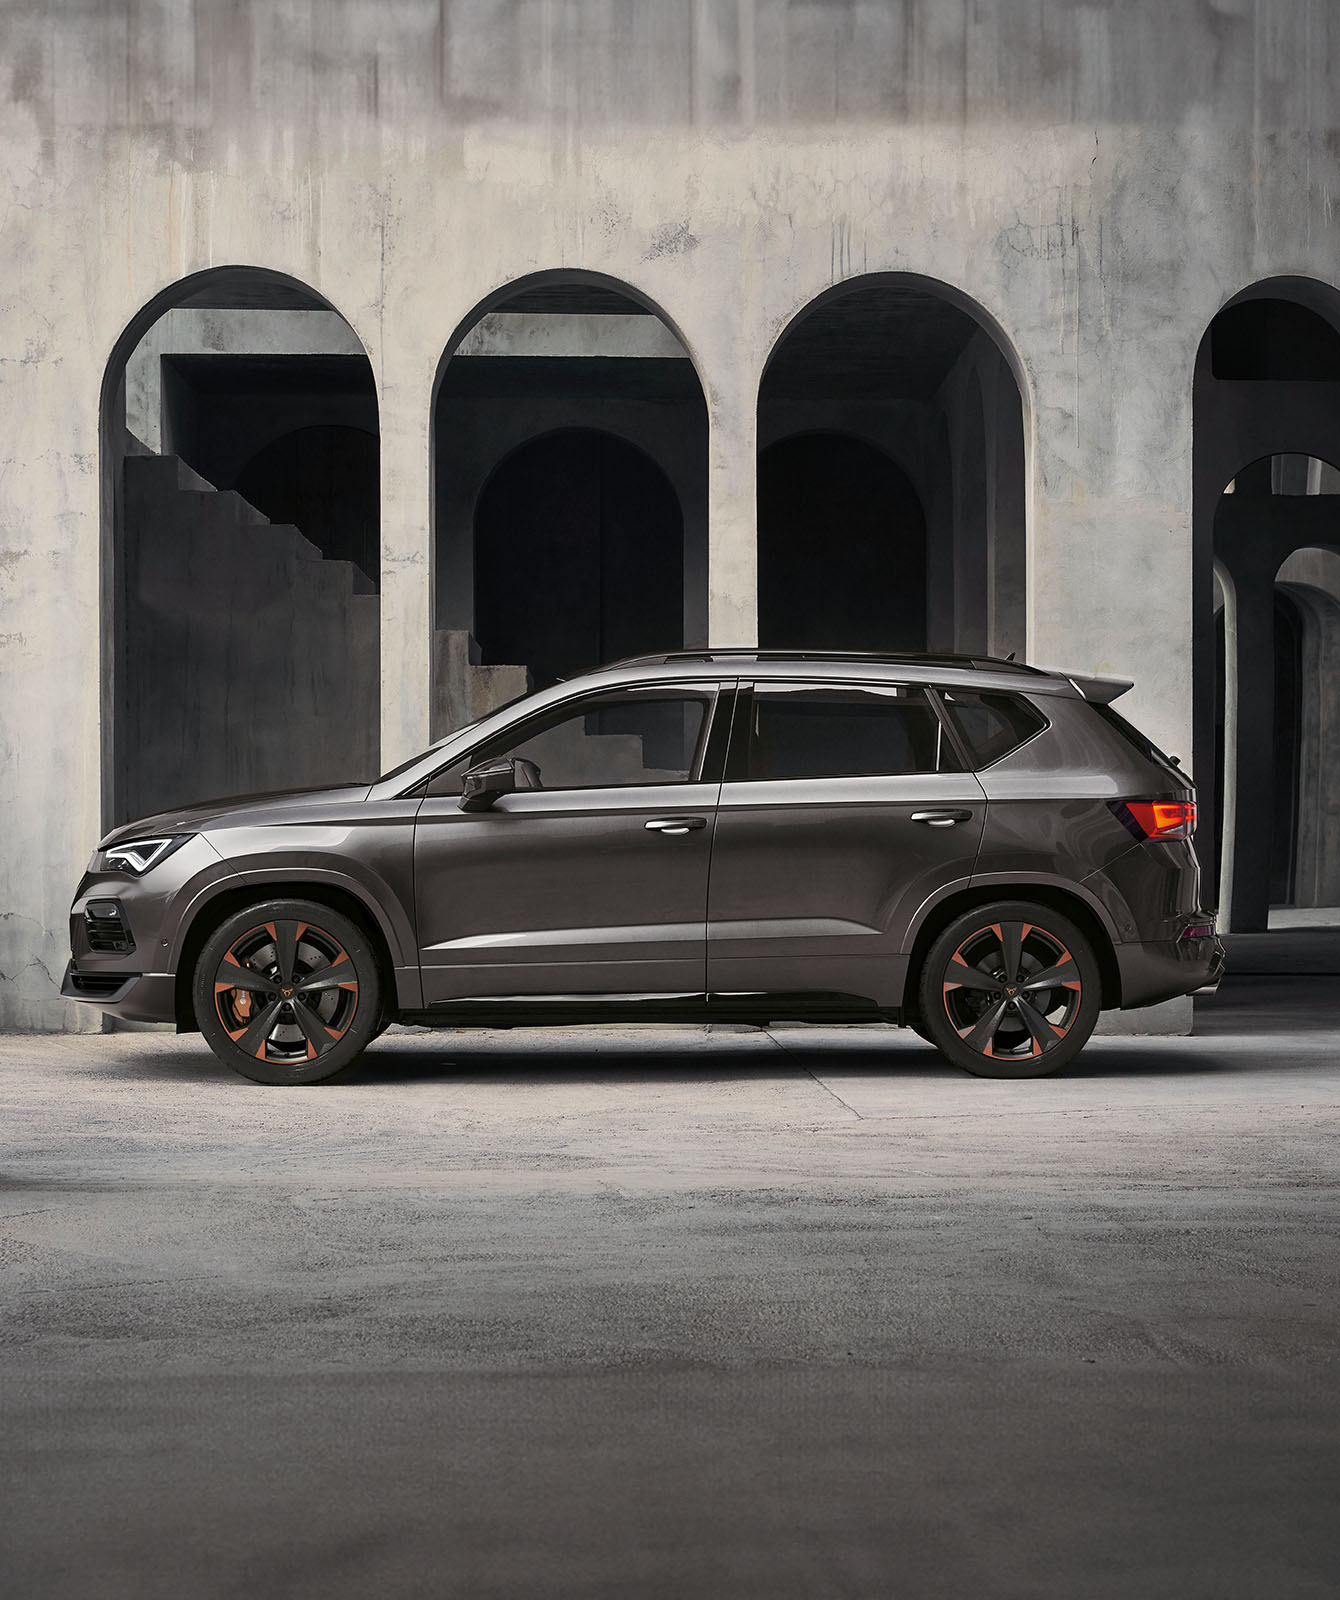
[
  {"x": 675, "y": 825},
  {"x": 941, "y": 819}
]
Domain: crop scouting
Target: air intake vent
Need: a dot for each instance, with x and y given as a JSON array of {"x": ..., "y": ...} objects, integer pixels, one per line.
[
  {"x": 106, "y": 928},
  {"x": 100, "y": 985}
]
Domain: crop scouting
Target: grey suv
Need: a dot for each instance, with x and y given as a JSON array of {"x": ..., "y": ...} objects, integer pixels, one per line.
[{"x": 983, "y": 851}]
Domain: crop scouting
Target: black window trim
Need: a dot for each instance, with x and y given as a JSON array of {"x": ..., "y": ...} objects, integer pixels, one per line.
[
  {"x": 938, "y": 691},
  {"x": 713, "y": 690},
  {"x": 956, "y": 740}
]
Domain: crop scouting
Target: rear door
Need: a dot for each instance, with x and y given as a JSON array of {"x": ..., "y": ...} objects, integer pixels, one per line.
[{"x": 845, "y": 809}]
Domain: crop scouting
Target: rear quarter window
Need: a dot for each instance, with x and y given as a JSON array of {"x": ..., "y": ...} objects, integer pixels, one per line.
[
  {"x": 991, "y": 725},
  {"x": 1131, "y": 735}
]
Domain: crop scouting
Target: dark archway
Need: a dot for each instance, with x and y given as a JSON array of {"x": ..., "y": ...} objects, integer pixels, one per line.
[
  {"x": 1266, "y": 422},
  {"x": 579, "y": 556},
  {"x": 918, "y": 372},
  {"x": 564, "y": 357},
  {"x": 239, "y": 655},
  {"x": 841, "y": 548}
]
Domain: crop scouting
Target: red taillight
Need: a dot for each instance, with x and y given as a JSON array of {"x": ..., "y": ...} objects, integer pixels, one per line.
[{"x": 1158, "y": 819}]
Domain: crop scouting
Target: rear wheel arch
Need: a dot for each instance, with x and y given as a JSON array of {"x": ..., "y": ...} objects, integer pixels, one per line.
[
  {"x": 1079, "y": 911},
  {"x": 218, "y": 908}
]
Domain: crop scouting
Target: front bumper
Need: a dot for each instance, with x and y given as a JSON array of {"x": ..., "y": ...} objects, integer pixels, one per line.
[
  {"x": 124, "y": 931},
  {"x": 131, "y": 996},
  {"x": 1164, "y": 969}
]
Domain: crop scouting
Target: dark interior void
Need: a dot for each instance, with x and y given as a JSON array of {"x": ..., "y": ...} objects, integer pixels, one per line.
[
  {"x": 880, "y": 341},
  {"x": 579, "y": 556},
  {"x": 1274, "y": 339},
  {"x": 571, "y": 299},
  {"x": 246, "y": 289},
  {"x": 1288, "y": 727},
  {"x": 325, "y": 481},
  {"x": 891, "y": 477},
  {"x": 294, "y": 435},
  {"x": 841, "y": 548},
  {"x": 641, "y": 380}
]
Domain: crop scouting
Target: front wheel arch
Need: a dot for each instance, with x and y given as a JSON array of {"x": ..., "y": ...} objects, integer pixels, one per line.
[
  {"x": 1068, "y": 905},
  {"x": 220, "y": 907}
]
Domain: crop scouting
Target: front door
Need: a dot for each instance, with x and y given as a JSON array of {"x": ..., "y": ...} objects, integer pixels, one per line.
[
  {"x": 593, "y": 885},
  {"x": 845, "y": 808}
]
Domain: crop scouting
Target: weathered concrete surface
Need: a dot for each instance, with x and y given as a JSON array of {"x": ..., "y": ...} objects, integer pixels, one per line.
[{"x": 677, "y": 1313}]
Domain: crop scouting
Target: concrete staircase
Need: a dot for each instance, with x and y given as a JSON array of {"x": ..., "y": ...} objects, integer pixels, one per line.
[
  {"x": 250, "y": 662},
  {"x": 463, "y": 688}
]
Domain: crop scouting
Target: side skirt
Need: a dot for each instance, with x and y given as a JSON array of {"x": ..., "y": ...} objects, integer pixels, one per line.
[{"x": 549, "y": 1011}]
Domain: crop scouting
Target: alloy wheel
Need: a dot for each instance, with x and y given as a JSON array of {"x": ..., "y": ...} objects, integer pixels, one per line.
[
  {"x": 1012, "y": 991},
  {"x": 286, "y": 991}
]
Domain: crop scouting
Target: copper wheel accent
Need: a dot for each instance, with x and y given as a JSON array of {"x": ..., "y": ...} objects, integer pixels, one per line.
[
  {"x": 286, "y": 992},
  {"x": 1012, "y": 991}
]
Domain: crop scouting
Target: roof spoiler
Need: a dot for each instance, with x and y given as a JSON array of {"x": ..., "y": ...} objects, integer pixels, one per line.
[{"x": 1100, "y": 691}]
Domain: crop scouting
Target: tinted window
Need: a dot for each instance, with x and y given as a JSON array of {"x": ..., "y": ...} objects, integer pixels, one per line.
[
  {"x": 609, "y": 742},
  {"x": 798, "y": 731},
  {"x": 991, "y": 725}
]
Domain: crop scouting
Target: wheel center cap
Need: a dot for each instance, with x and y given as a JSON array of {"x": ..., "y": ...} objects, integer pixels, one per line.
[{"x": 287, "y": 993}]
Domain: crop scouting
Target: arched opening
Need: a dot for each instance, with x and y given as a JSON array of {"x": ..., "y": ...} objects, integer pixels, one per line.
[
  {"x": 240, "y": 548},
  {"x": 570, "y": 491},
  {"x": 841, "y": 547},
  {"x": 1267, "y": 427},
  {"x": 910, "y": 371},
  {"x": 596, "y": 527},
  {"x": 1277, "y": 654}
]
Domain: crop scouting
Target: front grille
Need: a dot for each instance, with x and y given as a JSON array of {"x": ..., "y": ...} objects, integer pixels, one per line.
[{"x": 106, "y": 929}]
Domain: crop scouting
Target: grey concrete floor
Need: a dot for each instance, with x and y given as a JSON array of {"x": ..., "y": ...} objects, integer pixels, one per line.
[{"x": 666, "y": 1313}]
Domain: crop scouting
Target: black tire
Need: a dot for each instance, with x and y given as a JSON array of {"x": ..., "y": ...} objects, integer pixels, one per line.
[
  {"x": 998, "y": 1023},
  {"x": 288, "y": 992}
]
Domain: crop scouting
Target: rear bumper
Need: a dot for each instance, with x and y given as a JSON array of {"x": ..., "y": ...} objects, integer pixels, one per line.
[
  {"x": 1165, "y": 969},
  {"x": 131, "y": 996}
]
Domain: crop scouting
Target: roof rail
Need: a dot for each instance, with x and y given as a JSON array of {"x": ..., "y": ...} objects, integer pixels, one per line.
[{"x": 754, "y": 653}]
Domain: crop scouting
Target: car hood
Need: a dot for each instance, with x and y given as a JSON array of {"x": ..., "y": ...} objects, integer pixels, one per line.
[{"x": 233, "y": 808}]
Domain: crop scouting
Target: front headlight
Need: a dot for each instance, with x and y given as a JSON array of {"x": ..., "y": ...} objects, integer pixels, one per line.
[{"x": 137, "y": 856}]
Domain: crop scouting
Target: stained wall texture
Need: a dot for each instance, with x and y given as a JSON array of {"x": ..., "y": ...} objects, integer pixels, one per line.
[{"x": 1090, "y": 182}]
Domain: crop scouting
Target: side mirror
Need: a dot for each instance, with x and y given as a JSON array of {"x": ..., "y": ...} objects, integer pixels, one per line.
[{"x": 483, "y": 784}]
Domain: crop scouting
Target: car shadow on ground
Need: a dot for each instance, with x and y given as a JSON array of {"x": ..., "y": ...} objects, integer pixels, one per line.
[
  {"x": 1279, "y": 1004},
  {"x": 1292, "y": 1013}
]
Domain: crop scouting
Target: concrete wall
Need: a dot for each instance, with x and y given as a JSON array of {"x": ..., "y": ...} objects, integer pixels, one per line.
[{"x": 1099, "y": 179}]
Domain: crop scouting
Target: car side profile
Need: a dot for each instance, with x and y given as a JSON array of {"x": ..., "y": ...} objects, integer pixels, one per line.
[{"x": 980, "y": 850}]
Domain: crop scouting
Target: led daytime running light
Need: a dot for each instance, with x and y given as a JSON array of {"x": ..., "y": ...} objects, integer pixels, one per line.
[{"x": 137, "y": 856}]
